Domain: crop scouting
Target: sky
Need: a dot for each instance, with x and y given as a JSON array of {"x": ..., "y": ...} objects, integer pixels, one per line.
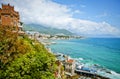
[{"x": 92, "y": 18}]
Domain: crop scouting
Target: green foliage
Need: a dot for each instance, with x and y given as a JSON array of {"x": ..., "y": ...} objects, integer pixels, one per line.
[
  {"x": 27, "y": 59},
  {"x": 10, "y": 45}
]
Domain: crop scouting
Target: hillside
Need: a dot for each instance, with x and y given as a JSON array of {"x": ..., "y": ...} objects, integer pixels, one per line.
[
  {"x": 23, "y": 58},
  {"x": 46, "y": 30}
]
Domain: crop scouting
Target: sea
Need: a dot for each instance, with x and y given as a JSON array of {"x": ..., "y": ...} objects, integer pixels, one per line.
[{"x": 102, "y": 54}]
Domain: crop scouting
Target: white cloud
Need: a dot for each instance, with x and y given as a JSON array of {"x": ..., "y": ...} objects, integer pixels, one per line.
[{"x": 60, "y": 16}]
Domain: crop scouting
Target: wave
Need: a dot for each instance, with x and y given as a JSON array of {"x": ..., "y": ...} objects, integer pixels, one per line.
[
  {"x": 100, "y": 69},
  {"x": 109, "y": 73}
]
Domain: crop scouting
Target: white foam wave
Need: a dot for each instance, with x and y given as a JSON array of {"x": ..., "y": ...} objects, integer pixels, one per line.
[
  {"x": 100, "y": 69},
  {"x": 78, "y": 59},
  {"x": 111, "y": 74}
]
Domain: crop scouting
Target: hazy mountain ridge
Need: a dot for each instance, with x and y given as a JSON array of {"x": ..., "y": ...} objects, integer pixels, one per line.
[{"x": 46, "y": 30}]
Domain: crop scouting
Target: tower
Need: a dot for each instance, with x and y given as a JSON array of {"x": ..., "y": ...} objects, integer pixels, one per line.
[{"x": 9, "y": 17}]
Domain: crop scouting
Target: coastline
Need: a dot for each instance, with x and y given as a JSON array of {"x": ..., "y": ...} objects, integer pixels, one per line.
[
  {"x": 107, "y": 71},
  {"x": 83, "y": 74}
]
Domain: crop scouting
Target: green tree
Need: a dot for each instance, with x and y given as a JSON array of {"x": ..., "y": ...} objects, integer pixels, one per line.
[
  {"x": 8, "y": 39},
  {"x": 10, "y": 45},
  {"x": 38, "y": 63},
  {"x": 22, "y": 58}
]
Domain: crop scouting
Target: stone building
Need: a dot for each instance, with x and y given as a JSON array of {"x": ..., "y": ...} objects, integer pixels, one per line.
[
  {"x": 70, "y": 67},
  {"x": 10, "y": 17}
]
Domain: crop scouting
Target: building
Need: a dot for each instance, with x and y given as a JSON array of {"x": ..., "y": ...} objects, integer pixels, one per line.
[
  {"x": 10, "y": 17},
  {"x": 70, "y": 67}
]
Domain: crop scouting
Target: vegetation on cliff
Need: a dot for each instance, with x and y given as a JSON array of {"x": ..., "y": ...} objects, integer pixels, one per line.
[{"x": 21, "y": 57}]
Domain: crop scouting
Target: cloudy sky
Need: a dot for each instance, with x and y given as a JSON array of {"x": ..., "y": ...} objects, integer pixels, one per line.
[{"x": 97, "y": 18}]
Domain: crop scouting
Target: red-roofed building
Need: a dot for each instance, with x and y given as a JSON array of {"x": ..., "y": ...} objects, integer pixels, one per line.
[
  {"x": 70, "y": 61},
  {"x": 70, "y": 66}
]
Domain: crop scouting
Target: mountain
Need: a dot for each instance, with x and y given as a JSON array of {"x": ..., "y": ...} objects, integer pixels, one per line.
[{"x": 46, "y": 30}]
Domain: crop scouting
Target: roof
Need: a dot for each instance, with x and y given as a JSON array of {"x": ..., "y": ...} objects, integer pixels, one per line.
[{"x": 70, "y": 61}]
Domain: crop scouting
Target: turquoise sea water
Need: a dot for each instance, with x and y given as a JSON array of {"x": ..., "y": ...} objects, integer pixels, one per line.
[{"x": 101, "y": 53}]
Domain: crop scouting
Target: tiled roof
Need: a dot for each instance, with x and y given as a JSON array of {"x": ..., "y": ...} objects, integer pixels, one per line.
[{"x": 70, "y": 61}]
